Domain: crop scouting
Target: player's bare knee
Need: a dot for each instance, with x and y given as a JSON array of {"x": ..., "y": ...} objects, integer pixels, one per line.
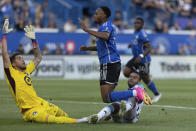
[{"x": 126, "y": 73}]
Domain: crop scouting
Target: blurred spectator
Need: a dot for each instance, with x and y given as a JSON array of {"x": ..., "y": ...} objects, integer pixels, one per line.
[
  {"x": 17, "y": 10},
  {"x": 19, "y": 26},
  {"x": 173, "y": 8},
  {"x": 0, "y": 47},
  {"x": 185, "y": 7},
  {"x": 175, "y": 27},
  {"x": 189, "y": 26},
  {"x": 150, "y": 9},
  {"x": 69, "y": 26},
  {"x": 58, "y": 50},
  {"x": 165, "y": 28},
  {"x": 138, "y": 8},
  {"x": 51, "y": 24},
  {"x": 37, "y": 23},
  {"x": 20, "y": 49},
  {"x": 191, "y": 43},
  {"x": 38, "y": 12},
  {"x": 158, "y": 26},
  {"x": 7, "y": 9},
  {"x": 45, "y": 13},
  {"x": 118, "y": 20},
  {"x": 25, "y": 15},
  {"x": 45, "y": 51}
]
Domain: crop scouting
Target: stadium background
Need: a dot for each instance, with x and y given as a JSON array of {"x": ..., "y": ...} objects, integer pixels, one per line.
[{"x": 69, "y": 78}]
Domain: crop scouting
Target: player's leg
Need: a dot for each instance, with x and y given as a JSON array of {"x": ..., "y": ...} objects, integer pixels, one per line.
[
  {"x": 125, "y": 106},
  {"x": 144, "y": 71},
  {"x": 131, "y": 115},
  {"x": 109, "y": 75},
  {"x": 53, "y": 109},
  {"x": 60, "y": 112},
  {"x": 128, "y": 68},
  {"x": 41, "y": 115},
  {"x": 106, "y": 89},
  {"x": 121, "y": 95},
  {"x": 104, "y": 113}
]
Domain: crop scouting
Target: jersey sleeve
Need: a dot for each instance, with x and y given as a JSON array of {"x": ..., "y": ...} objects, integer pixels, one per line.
[
  {"x": 144, "y": 37},
  {"x": 30, "y": 67},
  {"x": 106, "y": 27}
]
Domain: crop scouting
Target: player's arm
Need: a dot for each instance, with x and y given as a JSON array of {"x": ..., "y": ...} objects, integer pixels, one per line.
[
  {"x": 147, "y": 48},
  {"x": 30, "y": 33},
  {"x": 6, "y": 30},
  {"x": 102, "y": 35},
  {"x": 147, "y": 51},
  {"x": 88, "y": 48}
]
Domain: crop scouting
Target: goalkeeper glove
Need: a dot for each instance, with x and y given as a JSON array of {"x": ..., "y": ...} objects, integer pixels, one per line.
[
  {"x": 6, "y": 29},
  {"x": 29, "y": 32}
]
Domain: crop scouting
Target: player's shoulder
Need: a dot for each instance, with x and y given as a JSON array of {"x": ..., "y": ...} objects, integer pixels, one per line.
[
  {"x": 143, "y": 33},
  {"x": 108, "y": 23}
]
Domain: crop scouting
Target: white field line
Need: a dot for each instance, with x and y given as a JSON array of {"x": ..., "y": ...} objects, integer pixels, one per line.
[{"x": 100, "y": 103}]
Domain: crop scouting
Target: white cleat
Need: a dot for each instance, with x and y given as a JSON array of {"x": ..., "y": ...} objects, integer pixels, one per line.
[
  {"x": 93, "y": 119},
  {"x": 156, "y": 98},
  {"x": 122, "y": 109}
]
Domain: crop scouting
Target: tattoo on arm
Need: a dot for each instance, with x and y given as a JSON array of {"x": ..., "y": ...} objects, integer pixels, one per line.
[{"x": 37, "y": 55}]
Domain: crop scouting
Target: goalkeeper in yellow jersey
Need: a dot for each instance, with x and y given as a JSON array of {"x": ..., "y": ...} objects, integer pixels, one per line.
[{"x": 18, "y": 76}]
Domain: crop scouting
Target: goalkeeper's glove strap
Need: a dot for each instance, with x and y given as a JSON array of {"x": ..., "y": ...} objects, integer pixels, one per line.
[
  {"x": 35, "y": 44},
  {"x": 4, "y": 36}
]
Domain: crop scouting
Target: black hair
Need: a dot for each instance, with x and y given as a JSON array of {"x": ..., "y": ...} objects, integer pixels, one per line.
[
  {"x": 13, "y": 56},
  {"x": 106, "y": 10},
  {"x": 135, "y": 71},
  {"x": 141, "y": 19}
]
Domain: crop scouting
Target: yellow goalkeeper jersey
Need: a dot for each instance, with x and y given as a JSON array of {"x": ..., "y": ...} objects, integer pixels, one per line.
[{"x": 21, "y": 87}]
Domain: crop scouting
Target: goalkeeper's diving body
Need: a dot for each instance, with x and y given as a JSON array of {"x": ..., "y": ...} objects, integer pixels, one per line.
[{"x": 18, "y": 76}]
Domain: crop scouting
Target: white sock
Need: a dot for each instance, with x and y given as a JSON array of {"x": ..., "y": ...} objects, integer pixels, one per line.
[
  {"x": 134, "y": 93},
  {"x": 129, "y": 106},
  {"x": 105, "y": 112},
  {"x": 82, "y": 120}
]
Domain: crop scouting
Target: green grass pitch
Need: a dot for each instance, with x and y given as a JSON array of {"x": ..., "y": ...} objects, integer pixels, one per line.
[{"x": 81, "y": 98}]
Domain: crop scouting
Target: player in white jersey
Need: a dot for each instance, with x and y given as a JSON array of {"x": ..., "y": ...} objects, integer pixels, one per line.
[{"x": 124, "y": 111}]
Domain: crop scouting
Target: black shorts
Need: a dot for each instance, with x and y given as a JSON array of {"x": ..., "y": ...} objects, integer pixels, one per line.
[
  {"x": 144, "y": 69},
  {"x": 109, "y": 73}
]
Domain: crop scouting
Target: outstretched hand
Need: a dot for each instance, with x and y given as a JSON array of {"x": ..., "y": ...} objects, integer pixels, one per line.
[
  {"x": 83, "y": 26},
  {"x": 6, "y": 29},
  {"x": 29, "y": 32}
]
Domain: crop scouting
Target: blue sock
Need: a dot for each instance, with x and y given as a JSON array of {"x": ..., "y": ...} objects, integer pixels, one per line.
[
  {"x": 120, "y": 95},
  {"x": 153, "y": 88}
]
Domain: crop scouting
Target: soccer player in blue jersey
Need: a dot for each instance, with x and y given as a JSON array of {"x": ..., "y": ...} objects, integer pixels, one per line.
[
  {"x": 141, "y": 57},
  {"x": 110, "y": 63}
]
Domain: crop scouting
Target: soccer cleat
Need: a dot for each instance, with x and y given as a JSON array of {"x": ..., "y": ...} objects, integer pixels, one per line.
[
  {"x": 157, "y": 98},
  {"x": 93, "y": 119},
  {"x": 141, "y": 95},
  {"x": 122, "y": 109},
  {"x": 149, "y": 99}
]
